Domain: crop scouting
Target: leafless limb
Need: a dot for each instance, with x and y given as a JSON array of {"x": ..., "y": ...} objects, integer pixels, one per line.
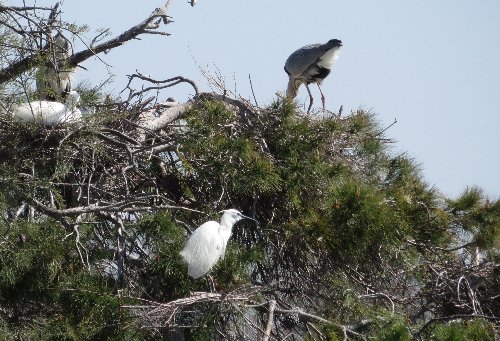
[
  {"x": 150, "y": 121},
  {"x": 170, "y": 82},
  {"x": 98, "y": 37},
  {"x": 385, "y": 129},
  {"x": 25, "y": 8},
  {"x": 251, "y": 87},
  {"x": 163, "y": 314},
  {"x": 163, "y": 114},
  {"x": 269, "y": 325},
  {"x": 79, "y": 246},
  {"x": 156, "y": 315},
  {"x": 145, "y": 27},
  {"x": 148, "y": 26}
]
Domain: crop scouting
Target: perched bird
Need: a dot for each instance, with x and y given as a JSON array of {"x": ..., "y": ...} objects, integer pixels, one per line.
[
  {"x": 208, "y": 243},
  {"x": 49, "y": 113},
  {"x": 311, "y": 64},
  {"x": 54, "y": 78}
]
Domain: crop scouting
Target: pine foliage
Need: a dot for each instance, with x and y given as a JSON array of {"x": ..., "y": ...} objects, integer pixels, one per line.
[{"x": 351, "y": 243}]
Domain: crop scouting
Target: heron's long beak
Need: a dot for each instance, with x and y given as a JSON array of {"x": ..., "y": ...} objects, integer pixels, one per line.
[{"x": 249, "y": 218}]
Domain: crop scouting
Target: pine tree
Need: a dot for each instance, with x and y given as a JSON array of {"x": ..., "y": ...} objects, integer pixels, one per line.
[{"x": 351, "y": 242}]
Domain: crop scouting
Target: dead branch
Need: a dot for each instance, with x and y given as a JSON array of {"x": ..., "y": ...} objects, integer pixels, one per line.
[
  {"x": 167, "y": 83},
  {"x": 163, "y": 314},
  {"x": 270, "y": 317},
  {"x": 120, "y": 206},
  {"x": 24, "y": 8},
  {"x": 154, "y": 119},
  {"x": 151, "y": 23},
  {"x": 151, "y": 122}
]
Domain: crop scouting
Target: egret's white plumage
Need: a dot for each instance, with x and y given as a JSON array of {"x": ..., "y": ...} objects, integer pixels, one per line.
[
  {"x": 50, "y": 113},
  {"x": 208, "y": 243}
]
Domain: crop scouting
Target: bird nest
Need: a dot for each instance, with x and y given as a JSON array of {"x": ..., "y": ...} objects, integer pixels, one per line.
[{"x": 184, "y": 312}]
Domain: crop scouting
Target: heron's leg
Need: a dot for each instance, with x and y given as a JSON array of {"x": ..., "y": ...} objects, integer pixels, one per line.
[
  {"x": 310, "y": 98},
  {"x": 211, "y": 284},
  {"x": 322, "y": 97}
]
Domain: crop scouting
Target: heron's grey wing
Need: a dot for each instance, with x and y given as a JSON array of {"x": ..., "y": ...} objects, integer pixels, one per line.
[
  {"x": 300, "y": 60},
  {"x": 202, "y": 249}
]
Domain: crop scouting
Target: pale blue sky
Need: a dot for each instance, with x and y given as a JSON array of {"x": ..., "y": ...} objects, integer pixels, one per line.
[{"x": 432, "y": 65}]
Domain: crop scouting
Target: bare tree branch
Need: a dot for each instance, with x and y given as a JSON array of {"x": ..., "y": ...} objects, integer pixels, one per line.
[
  {"x": 152, "y": 22},
  {"x": 270, "y": 317}
]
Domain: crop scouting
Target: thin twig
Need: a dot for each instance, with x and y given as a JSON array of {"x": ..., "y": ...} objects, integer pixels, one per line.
[{"x": 251, "y": 87}]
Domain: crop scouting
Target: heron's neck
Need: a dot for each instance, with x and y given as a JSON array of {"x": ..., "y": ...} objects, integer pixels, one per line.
[
  {"x": 226, "y": 222},
  {"x": 293, "y": 86},
  {"x": 329, "y": 58}
]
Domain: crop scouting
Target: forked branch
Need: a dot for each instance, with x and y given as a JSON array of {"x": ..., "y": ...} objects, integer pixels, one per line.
[{"x": 149, "y": 26}]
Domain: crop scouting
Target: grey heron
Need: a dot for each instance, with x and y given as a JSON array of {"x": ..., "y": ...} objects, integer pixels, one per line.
[
  {"x": 311, "y": 64},
  {"x": 48, "y": 112},
  {"x": 54, "y": 78},
  {"x": 208, "y": 243}
]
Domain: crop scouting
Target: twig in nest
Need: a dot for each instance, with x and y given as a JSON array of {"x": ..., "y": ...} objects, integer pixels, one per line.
[{"x": 170, "y": 82}]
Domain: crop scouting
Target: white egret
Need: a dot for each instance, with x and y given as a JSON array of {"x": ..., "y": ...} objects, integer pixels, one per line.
[
  {"x": 208, "y": 243},
  {"x": 50, "y": 113}
]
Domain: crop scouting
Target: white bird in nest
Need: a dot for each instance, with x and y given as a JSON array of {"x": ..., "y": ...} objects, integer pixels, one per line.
[
  {"x": 50, "y": 113},
  {"x": 208, "y": 243}
]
